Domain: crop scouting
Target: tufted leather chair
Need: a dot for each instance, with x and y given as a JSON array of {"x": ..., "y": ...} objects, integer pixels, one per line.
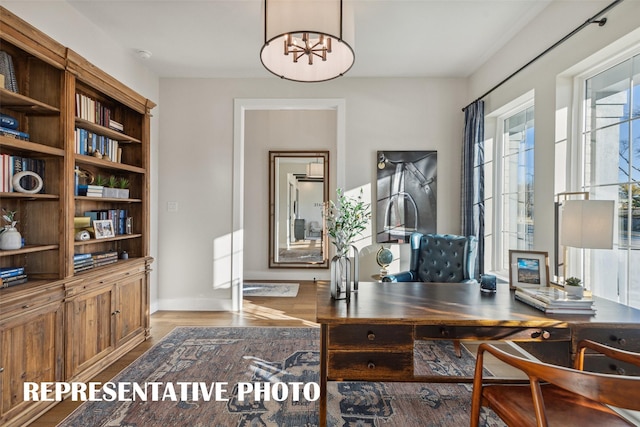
[{"x": 439, "y": 258}]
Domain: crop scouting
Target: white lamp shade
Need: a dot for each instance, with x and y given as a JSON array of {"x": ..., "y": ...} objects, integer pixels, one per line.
[
  {"x": 587, "y": 224},
  {"x": 283, "y": 17}
]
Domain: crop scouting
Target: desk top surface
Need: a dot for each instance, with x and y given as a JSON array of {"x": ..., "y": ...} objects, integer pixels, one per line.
[{"x": 460, "y": 304}]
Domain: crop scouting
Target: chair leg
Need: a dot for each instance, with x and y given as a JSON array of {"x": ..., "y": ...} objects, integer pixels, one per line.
[{"x": 456, "y": 348}]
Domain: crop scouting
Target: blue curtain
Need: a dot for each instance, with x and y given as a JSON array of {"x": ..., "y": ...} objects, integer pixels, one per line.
[{"x": 472, "y": 203}]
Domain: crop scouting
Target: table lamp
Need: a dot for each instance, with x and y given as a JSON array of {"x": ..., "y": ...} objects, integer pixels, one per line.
[{"x": 586, "y": 224}]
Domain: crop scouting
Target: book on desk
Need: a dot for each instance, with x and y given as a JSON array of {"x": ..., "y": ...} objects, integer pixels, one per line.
[{"x": 554, "y": 301}]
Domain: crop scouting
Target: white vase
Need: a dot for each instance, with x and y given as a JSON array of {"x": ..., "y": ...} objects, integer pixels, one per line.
[{"x": 10, "y": 239}]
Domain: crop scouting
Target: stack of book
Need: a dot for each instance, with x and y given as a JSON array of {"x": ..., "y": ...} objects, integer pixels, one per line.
[
  {"x": 104, "y": 258},
  {"x": 82, "y": 262},
  {"x": 11, "y": 276},
  {"x": 554, "y": 301},
  {"x": 90, "y": 190}
]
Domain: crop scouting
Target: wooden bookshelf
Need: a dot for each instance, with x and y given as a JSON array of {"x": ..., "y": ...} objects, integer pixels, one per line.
[{"x": 50, "y": 327}]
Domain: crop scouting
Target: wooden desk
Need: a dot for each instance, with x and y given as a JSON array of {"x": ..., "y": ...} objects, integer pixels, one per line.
[{"x": 372, "y": 338}]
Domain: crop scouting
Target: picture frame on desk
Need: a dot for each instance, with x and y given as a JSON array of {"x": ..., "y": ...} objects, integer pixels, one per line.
[
  {"x": 103, "y": 228},
  {"x": 528, "y": 269}
]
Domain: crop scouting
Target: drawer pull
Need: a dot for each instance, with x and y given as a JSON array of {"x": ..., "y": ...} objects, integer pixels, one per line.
[
  {"x": 26, "y": 306},
  {"x": 371, "y": 365},
  {"x": 371, "y": 336},
  {"x": 544, "y": 334},
  {"x": 444, "y": 332},
  {"x": 621, "y": 371},
  {"x": 1, "y": 369}
]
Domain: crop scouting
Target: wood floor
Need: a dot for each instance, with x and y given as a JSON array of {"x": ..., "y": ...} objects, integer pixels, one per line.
[{"x": 257, "y": 311}]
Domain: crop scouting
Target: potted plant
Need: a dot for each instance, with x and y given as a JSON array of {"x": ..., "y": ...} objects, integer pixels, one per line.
[
  {"x": 10, "y": 238},
  {"x": 123, "y": 188},
  {"x": 573, "y": 287},
  {"x": 110, "y": 187},
  {"x": 345, "y": 220}
]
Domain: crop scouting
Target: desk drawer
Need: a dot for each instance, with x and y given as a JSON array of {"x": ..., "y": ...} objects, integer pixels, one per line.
[
  {"x": 606, "y": 365},
  {"x": 492, "y": 333},
  {"x": 362, "y": 337},
  {"x": 623, "y": 338},
  {"x": 370, "y": 365}
]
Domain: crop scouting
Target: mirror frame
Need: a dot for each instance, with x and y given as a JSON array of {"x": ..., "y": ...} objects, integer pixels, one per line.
[{"x": 273, "y": 156}]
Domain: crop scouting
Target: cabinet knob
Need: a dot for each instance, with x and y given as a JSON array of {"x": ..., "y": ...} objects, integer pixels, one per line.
[
  {"x": 371, "y": 336},
  {"x": 621, "y": 371},
  {"x": 1, "y": 369},
  {"x": 371, "y": 365},
  {"x": 26, "y": 306},
  {"x": 444, "y": 332}
]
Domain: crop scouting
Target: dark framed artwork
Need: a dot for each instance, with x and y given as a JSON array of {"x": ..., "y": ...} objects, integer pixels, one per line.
[{"x": 406, "y": 194}]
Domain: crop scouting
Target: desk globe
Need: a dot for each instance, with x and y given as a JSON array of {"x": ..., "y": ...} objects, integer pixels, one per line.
[{"x": 384, "y": 257}]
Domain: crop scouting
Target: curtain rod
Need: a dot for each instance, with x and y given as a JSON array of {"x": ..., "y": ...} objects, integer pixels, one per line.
[{"x": 592, "y": 20}]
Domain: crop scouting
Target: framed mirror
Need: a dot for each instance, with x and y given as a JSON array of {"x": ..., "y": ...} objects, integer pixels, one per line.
[{"x": 298, "y": 190}]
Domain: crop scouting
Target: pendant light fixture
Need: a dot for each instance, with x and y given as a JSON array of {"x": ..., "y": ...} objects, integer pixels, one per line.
[{"x": 304, "y": 40}]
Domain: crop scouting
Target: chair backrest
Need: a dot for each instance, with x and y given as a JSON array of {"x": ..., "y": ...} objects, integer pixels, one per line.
[{"x": 443, "y": 257}]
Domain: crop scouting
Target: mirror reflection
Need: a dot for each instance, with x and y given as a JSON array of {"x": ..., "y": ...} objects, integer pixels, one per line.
[{"x": 298, "y": 191}]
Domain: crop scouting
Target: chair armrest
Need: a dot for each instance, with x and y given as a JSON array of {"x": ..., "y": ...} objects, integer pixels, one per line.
[
  {"x": 405, "y": 276},
  {"x": 614, "y": 353}
]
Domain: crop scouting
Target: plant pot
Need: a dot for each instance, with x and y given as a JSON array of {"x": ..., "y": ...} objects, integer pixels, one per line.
[
  {"x": 123, "y": 193},
  {"x": 110, "y": 192},
  {"x": 10, "y": 239},
  {"x": 576, "y": 292}
]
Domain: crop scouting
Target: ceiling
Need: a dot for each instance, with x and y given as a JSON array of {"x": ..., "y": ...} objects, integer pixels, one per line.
[{"x": 393, "y": 38}]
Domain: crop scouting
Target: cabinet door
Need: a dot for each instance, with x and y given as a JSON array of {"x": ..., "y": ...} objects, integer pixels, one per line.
[
  {"x": 31, "y": 350},
  {"x": 130, "y": 317},
  {"x": 90, "y": 328}
]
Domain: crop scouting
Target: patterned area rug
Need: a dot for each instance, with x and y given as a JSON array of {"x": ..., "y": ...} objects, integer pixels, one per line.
[
  {"x": 251, "y": 289},
  {"x": 239, "y": 356}
]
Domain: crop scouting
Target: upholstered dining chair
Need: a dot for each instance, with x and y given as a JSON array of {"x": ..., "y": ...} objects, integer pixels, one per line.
[{"x": 555, "y": 395}]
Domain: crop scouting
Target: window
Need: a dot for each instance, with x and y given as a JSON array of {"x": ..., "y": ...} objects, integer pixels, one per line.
[
  {"x": 515, "y": 184},
  {"x": 611, "y": 171}
]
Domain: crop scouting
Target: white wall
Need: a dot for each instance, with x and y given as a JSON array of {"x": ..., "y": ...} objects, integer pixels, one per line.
[
  {"x": 551, "y": 80},
  {"x": 196, "y": 166},
  {"x": 65, "y": 25}
]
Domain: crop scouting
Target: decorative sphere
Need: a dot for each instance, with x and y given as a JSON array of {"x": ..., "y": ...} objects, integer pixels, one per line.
[{"x": 384, "y": 257}]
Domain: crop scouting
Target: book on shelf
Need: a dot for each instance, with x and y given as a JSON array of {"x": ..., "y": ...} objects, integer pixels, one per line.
[
  {"x": 87, "y": 143},
  {"x": 554, "y": 301},
  {"x": 89, "y": 190},
  {"x": 116, "y": 125},
  {"x": 13, "y": 133},
  {"x": 12, "y": 281},
  {"x": 6, "y": 272},
  {"x": 8, "y": 122}
]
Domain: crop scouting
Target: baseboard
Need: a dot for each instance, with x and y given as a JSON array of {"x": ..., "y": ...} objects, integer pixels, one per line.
[{"x": 200, "y": 304}]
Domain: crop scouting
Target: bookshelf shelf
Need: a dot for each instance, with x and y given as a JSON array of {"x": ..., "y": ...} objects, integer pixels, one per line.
[
  {"x": 109, "y": 239},
  {"x": 17, "y": 102},
  {"x": 81, "y": 159},
  {"x": 102, "y": 130},
  {"x": 28, "y": 249},
  {"x": 24, "y": 196},
  {"x": 29, "y": 147}
]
